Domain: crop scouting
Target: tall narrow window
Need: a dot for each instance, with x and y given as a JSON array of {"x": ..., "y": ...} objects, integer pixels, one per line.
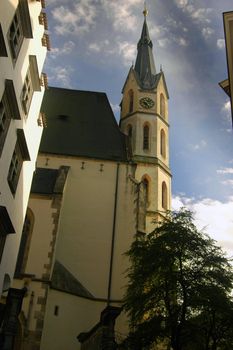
[
  {"x": 15, "y": 34},
  {"x": 4, "y": 121},
  {"x": 162, "y": 105},
  {"x": 146, "y": 190},
  {"x": 146, "y": 134},
  {"x": 163, "y": 143},
  {"x": 27, "y": 92},
  {"x": 8, "y": 109},
  {"x": 129, "y": 130},
  {"x": 6, "y": 228},
  {"x": 20, "y": 27},
  {"x": 130, "y": 101},
  {"x": 25, "y": 243},
  {"x": 31, "y": 84},
  {"x": 19, "y": 155},
  {"x": 164, "y": 195},
  {"x": 3, "y": 51}
]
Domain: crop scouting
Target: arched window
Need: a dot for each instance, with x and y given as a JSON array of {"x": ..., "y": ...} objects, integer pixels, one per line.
[
  {"x": 146, "y": 135},
  {"x": 146, "y": 189},
  {"x": 130, "y": 101},
  {"x": 25, "y": 243},
  {"x": 162, "y": 106},
  {"x": 129, "y": 130},
  {"x": 164, "y": 195},
  {"x": 163, "y": 143}
]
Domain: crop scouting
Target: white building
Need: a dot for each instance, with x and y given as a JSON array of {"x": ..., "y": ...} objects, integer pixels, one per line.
[{"x": 23, "y": 47}]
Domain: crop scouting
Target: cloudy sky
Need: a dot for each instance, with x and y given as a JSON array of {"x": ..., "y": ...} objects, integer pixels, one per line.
[{"x": 94, "y": 44}]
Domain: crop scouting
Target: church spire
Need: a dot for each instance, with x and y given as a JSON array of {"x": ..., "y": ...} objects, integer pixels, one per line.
[{"x": 145, "y": 66}]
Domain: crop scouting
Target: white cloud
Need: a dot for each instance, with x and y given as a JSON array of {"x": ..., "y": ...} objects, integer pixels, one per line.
[
  {"x": 182, "y": 41},
  {"x": 227, "y": 106},
  {"x": 121, "y": 13},
  {"x": 164, "y": 42},
  {"x": 221, "y": 43},
  {"x": 127, "y": 51},
  {"x": 199, "y": 145},
  {"x": 61, "y": 75},
  {"x": 124, "y": 49},
  {"x": 115, "y": 107},
  {"x": 65, "y": 50},
  {"x": 105, "y": 47},
  {"x": 77, "y": 19},
  {"x": 213, "y": 215},
  {"x": 94, "y": 47},
  {"x": 201, "y": 14},
  {"x": 181, "y": 3},
  {"x": 226, "y": 110},
  {"x": 225, "y": 171},
  {"x": 228, "y": 182},
  {"x": 207, "y": 32}
]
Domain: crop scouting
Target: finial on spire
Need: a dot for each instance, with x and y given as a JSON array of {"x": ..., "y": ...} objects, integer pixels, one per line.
[{"x": 145, "y": 11}]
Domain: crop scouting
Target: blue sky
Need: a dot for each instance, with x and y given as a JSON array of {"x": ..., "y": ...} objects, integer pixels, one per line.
[{"x": 94, "y": 44}]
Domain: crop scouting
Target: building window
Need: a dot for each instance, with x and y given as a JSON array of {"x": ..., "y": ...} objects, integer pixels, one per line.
[
  {"x": 15, "y": 34},
  {"x": 19, "y": 155},
  {"x": 25, "y": 243},
  {"x": 3, "y": 51},
  {"x": 163, "y": 143},
  {"x": 130, "y": 101},
  {"x": 31, "y": 83},
  {"x": 8, "y": 110},
  {"x": 14, "y": 170},
  {"x": 146, "y": 189},
  {"x": 4, "y": 121},
  {"x": 6, "y": 228},
  {"x": 129, "y": 130},
  {"x": 146, "y": 132},
  {"x": 27, "y": 92},
  {"x": 164, "y": 196},
  {"x": 20, "y": 27},
  {"x": 56, "y": 310},
  {"x": 162, "y": 105}
]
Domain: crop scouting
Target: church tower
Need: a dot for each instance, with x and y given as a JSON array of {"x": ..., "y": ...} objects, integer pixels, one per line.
[{"x": 144, "y": 118}]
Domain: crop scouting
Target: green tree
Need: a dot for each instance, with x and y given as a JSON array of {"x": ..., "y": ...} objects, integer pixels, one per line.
[{"x": 179, "y": 290}]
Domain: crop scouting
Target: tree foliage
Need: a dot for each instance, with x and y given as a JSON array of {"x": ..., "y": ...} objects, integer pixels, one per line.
[{"x": 179, "y": 290}]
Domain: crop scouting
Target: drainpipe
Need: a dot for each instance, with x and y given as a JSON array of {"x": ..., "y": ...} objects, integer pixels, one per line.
[{"x": 113, "y": 235}]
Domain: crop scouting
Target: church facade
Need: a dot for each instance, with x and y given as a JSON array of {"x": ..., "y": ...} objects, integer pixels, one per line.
[{"x": 96, "y": 185}]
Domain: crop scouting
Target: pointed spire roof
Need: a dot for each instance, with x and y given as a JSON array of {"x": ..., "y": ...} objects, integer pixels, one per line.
[{"x": 145, "y": 66}]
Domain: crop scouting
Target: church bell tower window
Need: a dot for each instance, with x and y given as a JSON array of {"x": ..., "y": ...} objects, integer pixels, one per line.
[
  {"x": 131, "y": 101},
  {"x": 162, "y": 106},
  {"x": 163, "y": 143},
  {"x": 146, "y": 132},
  {"x": 164, "y": 195}
]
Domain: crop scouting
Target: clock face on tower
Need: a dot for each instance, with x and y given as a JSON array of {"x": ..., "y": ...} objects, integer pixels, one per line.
[{"x": 146, "y": 102}]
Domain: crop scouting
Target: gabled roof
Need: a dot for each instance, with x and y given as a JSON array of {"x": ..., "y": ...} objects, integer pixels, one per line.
[
  {"x": 81, "y": 123},
  {"x": 156, "y": 80}
]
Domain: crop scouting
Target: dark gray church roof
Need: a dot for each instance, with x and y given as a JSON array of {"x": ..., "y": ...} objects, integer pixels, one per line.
[
  {"x": 145, "y": 66},
  {"x": 64, "y": 281},
  {"x": 81, "y": 123},
  {"x": 44, "y": 180}
]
